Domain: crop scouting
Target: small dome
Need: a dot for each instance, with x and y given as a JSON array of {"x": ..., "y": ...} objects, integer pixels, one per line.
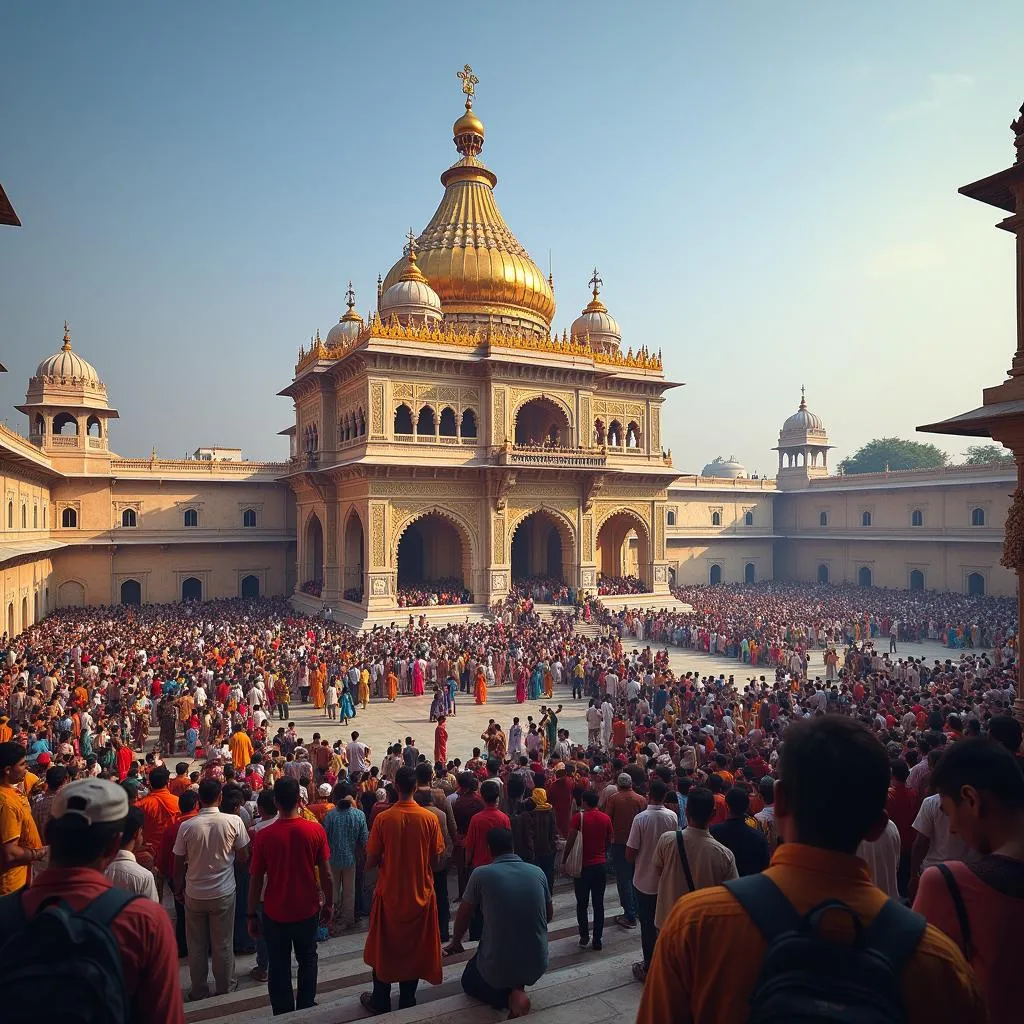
[
  {"x": 726, "y": 469},
  {"x": 411, "y": 295},
  {"x": 597, "y": 323},
  {"x": 803, "y": 419},
  {"x": 66, "y": 365},
  {"x": 347, "y": 329}
]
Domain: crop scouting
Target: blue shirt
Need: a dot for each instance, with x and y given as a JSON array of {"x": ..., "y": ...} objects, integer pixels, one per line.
[
  {"x": 346, "y": 830},
  {"x": 513, "y": 897}
]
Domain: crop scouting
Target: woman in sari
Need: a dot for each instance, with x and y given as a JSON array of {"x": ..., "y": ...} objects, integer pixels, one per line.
[
  {"x": 347, "y": 709},
  {"x": 549, "y": 682},
  {"x": 417, "y": 678},
  {"x": 480, "y": 690},
  {"x": 536, "y": 680},
  {"x": 521, "y": 685},
  {"x": 364, "y": 687}
]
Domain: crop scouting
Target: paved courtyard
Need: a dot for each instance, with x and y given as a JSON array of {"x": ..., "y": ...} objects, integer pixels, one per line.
[{"x": 383, "y": 723}]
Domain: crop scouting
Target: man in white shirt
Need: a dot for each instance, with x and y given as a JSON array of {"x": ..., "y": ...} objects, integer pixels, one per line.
[
  {"x": 883, "y": 859},
  {"x": 205, "y": 852},
  {"x": 647, "y": 828},
  {"x": 358, "y": 755},
  {"x": 593, "y": 724},
  {"x": 124, "y": 870},
  {"x": 709, "y": 861},
  {"x": 934, "y": 843}
]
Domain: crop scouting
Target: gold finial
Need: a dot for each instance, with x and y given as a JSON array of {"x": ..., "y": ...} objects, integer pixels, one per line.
[
  {"x": 469, "y": 84},
  {"x": 803, "y": 400},
  {"x": 595, "y": 283},
  {"x": 67, "y": 338},
  {"x": 410, "y": 249},
  {"x": 350, "y": 296}
]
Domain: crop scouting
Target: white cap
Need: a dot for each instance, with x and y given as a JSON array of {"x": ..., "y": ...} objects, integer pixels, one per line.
[{"x": 99, "y": 801}]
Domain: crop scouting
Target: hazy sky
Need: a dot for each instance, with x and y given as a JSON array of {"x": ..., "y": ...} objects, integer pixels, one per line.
[{"x": 768, "y": 189}]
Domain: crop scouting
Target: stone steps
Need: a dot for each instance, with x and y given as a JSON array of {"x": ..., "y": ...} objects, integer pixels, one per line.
[{"x": 342, "y": 976}]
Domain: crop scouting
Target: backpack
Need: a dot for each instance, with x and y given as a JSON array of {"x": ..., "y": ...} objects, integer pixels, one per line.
[
  {"x": 806, "y": 978},
  {"x": 72, "y": 957}
]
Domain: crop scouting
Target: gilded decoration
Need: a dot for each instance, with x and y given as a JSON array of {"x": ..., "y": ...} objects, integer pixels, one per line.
[
  {"x": 588, "y": 538},
  {"x": 659, "y": 536},
  {"x": 498, "y": 417},
  {"x": 377, "y": 409},
  {"x": 497, "y": 539},
  {"x": 498, "y": 581},
  {"x": 378, "y": 549},
  {"x": 655, "y": 429}
]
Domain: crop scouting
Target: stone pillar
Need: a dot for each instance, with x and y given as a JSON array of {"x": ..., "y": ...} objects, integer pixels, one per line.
[{"x": 332, "y": 559}]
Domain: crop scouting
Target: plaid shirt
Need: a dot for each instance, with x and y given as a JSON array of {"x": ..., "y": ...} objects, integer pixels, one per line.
[{"x": 346, "y": 830}]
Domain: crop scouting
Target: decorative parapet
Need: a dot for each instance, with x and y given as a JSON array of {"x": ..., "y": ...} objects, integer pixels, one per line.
[
  {"x": 574, "y": 458},
  {"x": 490, "y": 336},
  {"x": 197, "y": 467}
]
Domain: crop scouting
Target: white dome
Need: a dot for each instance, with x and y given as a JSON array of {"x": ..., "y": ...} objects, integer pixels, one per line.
[
  {"x": 597, "y": 323},
  {"x": 803, "y": 420},
  {"x": 349, "y": 324},
  {"x": 67, "y": 365},
  {"x": 726, "y": 469},
  {"x": 411, "y": 295}
]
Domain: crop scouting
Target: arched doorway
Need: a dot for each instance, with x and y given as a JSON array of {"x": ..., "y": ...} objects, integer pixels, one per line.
[
  {"x": 10, "y": 621},
  {"x": 353, "y": 573},
  {"x": 313, "y": 554},
  {"x": 35, "y": 606},
  {"x": 541, "y": 548},
  {"x": 71, "y": 594},
  {"x": 823, "y": 574},
  {"x": 976, "y": 584},
  {"x": 748, "y": 572},
  {"x": 24, "y": 613},
  {"x": 916, "y": 579},
  {"x": 864, "y": 576},
  {"x": 433, "y": 559},
  {"x": 620, "y": 534},
  {"x": 250, "y": 588},
  {"x": 715, "y": 575},
  {"x": 541, "y": 421},
  {"x": 191, "y": 589},
  {"x": 131, "y": 592}
]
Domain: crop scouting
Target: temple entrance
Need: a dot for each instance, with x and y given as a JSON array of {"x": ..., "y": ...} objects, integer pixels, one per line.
[
  {"x": 313, "y": 556},
  {"x": 191, "y": 589},
  {"x": 250, "y": 588},
  {"x": 623, "y": 549},
  {"x": 433, "y": 563},
  {"x": 538, "y": 549},
  {"x": 976, "y": 584},
  {"x": 541, "y": 422},
  {"x": 131, "y": 592},
  {"x": 353, "y": 572}
]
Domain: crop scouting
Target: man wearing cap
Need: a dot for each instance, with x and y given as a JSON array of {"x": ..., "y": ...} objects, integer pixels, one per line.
[{"x": 84, "y": 834}]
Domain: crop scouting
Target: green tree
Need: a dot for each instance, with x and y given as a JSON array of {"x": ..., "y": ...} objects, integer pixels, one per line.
[
  {"x": 982, "y": 454},
  {"x": 896, "y": 453}
]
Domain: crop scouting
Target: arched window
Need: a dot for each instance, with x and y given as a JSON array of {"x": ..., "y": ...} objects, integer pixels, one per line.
[
  {"x": 40, "y": 427},
  {"x": 44, "y": 517},
  {"x": 748, "y": 518},
  {"x": 24, "y": 517},
  {"x": 93, "y": 427},
  {"x": 447, "y": 428},
  {"x": 716, "y": 518},
  {"x": 69, "y": 519},
  {"x": 191, "y": 517},
  {"x": 823, "y": 572},
  {"x": 917, "y": 517},
  {"x": 468, "y": 425},
  {"x": 403, "y": 420},
  {"x": 749, "y": 572},
  {"x": 916, "y": 579},
  {"x": 35, "y": 517},
  {"x": 361, "y": 420},
  {"x": 715, "y": 575},
  {"x": 823, "y": 520},
  {"x": 671, "y": 519},
  {"x": 599, "y": 432},
  {"x": 425, "y": 422},
  {"x": 10, "y": 515},
  {"x": 976, "y": 584},
  {"x": 65, "y": 419},
  {"x": 249, "y": 518},
  {"x": 615, "y": 434},
  {"x": 633, "y": 435},
  {"x": 865, "y": 519},
  {"x": 864, "y": 576},
  {"x": 129, "y": 518},
  {"x": 978, "y": 517}
]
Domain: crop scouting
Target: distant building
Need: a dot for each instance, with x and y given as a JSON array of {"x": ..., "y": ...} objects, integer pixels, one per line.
[{"x": 218, "y": 454}]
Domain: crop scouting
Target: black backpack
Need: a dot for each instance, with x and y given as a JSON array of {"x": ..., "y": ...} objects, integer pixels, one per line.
[
  {"x": 71, "y": 961},
  {"x": 806, "y": 978}
]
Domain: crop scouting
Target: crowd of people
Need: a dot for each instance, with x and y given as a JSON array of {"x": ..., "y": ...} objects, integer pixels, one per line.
[
  {"x": 264, "y": 841},
  {"x": 608, "y": 585},
  {"x": 430, "y": 593}
]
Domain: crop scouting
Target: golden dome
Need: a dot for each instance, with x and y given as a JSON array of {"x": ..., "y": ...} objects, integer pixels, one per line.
[
  {"x": 467, "y": 253},
  {"x": 349, "y": 324}
]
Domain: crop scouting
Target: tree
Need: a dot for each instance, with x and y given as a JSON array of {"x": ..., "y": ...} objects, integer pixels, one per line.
[
  {"x": 982, "y": 454},
  {"x": 894, "y": 453}
]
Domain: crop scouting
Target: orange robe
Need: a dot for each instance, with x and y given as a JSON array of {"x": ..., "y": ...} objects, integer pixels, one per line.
[
  {"x": 403, "y": 941},
  {"x": 241, "y": 749},
  {"x": 480, "y": 692},
  {"x": 392, "y": 686},
  {"x": 316, "y": 690}
]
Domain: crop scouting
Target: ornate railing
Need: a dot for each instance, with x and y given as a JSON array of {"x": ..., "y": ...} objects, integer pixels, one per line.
[{"x": 571, "y": 458}]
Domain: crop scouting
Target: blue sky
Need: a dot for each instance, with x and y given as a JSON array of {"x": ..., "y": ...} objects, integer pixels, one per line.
[{"x": 768, "y": 189}]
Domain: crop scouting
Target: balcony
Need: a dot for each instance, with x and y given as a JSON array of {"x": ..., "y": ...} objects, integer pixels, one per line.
[
  {"x": 555, "y": 457},
  {"x": 434, "y": 439}
]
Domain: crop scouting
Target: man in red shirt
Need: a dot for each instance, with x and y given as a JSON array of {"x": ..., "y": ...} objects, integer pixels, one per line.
[
  {"x": 477, "y": 850},
  {"x": 159, "y": 808},
  {"x": 902, "y": 806},
  {"x": 293, "y": 857},
  {"x": 560, "y": 796},
  {"x": 84, "y": 834}
]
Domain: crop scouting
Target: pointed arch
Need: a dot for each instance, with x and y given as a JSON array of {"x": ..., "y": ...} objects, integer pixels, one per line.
[
  {"x": 613, "y": 533},
  {"x": 466, "y": 536}
]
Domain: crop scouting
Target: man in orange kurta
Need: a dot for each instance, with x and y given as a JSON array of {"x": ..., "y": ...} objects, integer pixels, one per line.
[
  {"x": 403, "y": 943},
  {"x": 241, "y": 749}
]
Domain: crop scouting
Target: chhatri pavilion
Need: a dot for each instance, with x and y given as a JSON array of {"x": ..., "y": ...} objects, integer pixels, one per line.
[{"x": 454, "y": 436}]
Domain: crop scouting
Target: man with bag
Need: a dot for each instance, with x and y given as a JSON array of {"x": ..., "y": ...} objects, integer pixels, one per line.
[
  {"x": 93, "y": 953},
  {"x": 753, "y": 951}
]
